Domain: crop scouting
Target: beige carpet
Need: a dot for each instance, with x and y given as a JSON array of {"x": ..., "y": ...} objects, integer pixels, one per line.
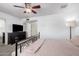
[
  {"x": 6, "y": 50},
  {"x": 54, "y": 47}
]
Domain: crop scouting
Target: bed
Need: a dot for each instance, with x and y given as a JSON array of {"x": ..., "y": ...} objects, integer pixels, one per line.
[{"x": 52, "y": 47}]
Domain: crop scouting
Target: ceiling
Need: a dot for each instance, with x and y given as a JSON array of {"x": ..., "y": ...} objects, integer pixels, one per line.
[{"x": 46, "y": 9}]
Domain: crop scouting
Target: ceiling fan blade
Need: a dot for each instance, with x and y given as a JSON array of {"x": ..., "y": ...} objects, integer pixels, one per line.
[
  {"x": 36, "y": 7},
  {"x": 34, "y": 12},
  {"x": 18, "y": 6}
]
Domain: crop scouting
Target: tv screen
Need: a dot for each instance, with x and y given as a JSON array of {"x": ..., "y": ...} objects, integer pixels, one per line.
[{"x": 17, "y": 28}]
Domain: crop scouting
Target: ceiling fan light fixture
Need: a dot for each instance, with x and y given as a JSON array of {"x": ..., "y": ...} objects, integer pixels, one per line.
[{"x": 28, "y": 10}]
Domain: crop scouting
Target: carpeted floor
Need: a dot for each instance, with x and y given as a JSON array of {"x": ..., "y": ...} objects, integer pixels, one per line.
[
  {"x": 54, "y": 47},
  {"x": 6, "y": 50}
]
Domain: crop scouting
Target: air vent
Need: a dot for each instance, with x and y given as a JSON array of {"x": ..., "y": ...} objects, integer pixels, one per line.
[{"x": 64, "y": 6}]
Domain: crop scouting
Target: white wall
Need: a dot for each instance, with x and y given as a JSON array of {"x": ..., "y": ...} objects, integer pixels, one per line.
[
  {"x": 53, "y": 26},
  {"x": 9, "y": 20},
  {"x": 2, "y": 25}
]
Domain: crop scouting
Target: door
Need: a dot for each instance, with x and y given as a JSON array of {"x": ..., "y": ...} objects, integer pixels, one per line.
[{"x": 33, "y": 28}]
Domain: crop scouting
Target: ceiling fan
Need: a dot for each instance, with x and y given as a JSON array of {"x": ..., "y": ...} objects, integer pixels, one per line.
[{"x": 28, "y": 8}]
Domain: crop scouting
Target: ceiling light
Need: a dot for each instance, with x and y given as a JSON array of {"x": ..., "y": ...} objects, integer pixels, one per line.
[{"x": 28, "y": 10}]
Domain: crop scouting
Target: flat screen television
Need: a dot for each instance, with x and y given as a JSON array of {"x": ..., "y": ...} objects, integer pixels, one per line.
[{"x": 17, "y": 27}]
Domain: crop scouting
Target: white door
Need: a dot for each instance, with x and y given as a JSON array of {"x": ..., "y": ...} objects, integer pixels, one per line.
[
  {"x": 31, "y": 28},
  {"x": 34, "y": 28},
  {"x": 28, "y": 30}
]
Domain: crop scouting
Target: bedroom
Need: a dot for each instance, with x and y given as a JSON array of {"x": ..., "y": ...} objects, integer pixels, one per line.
[{"x": 50, "y": 21}]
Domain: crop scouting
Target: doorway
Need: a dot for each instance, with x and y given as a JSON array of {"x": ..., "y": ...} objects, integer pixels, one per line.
[
  {"x": 2, "y": 29},
  {"x": 32, "y": 28}
]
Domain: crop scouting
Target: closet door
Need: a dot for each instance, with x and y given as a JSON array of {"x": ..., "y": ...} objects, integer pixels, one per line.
[
  {"x": 33, "y": 28},
  {"x": 28, "y": 30}
]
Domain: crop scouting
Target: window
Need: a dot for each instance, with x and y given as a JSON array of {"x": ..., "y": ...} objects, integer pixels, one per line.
[{"x": 2, "y": 26}]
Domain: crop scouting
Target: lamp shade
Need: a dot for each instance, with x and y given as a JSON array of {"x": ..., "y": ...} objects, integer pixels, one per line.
[
  {"x": 71, "y": 23},
  {"x": 28, "y": 10}
]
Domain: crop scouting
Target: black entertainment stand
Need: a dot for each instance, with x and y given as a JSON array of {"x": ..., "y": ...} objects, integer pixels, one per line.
[{"x": 12, "y": 37}]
